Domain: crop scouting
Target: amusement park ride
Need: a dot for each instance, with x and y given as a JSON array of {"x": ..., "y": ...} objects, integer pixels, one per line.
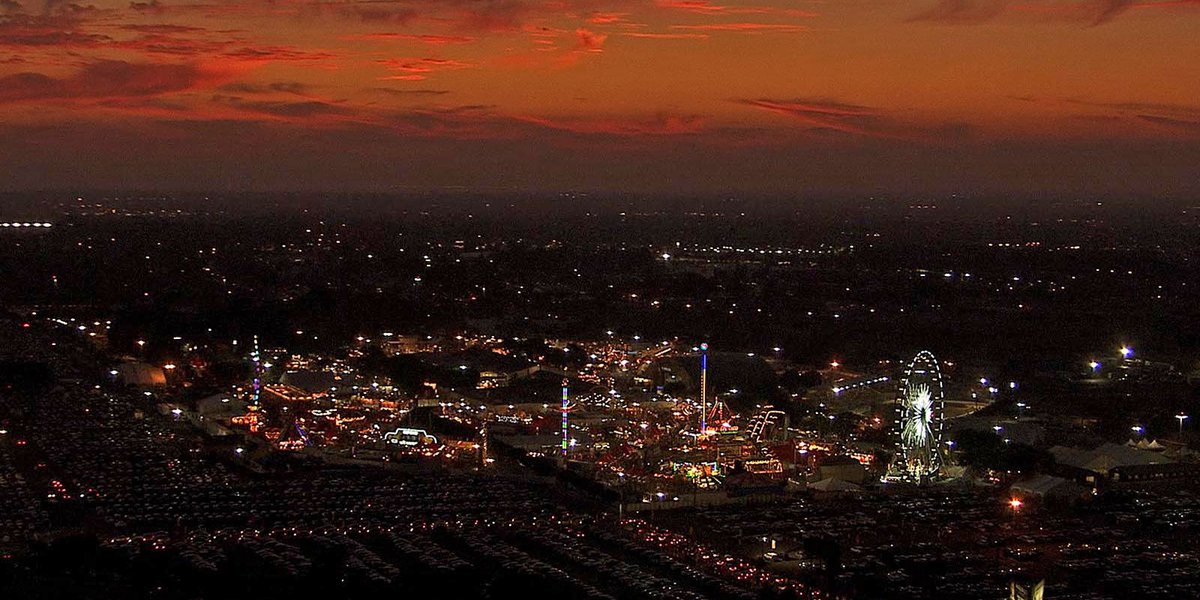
[
  {"x": 920, "y": 416},
  {"x": 708, "y": 430},
  {"x": 292, "y": 436},
  {"x": 567, "y": 407}
]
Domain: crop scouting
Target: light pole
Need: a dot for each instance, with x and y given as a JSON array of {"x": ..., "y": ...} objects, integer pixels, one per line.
[
  {"x": 1181, "y": 417},
  {"x": 621, "y": 505}
]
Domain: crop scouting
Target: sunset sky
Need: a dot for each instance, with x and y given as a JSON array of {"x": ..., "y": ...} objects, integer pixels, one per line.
[{"x": 833, "y": 96}]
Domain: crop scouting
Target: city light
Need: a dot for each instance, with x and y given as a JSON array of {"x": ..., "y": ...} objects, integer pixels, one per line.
[{"x": 333, "y": 451}]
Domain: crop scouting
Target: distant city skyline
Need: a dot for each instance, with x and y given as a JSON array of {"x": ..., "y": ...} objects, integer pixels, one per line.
[{"x": 972, "y": 97}]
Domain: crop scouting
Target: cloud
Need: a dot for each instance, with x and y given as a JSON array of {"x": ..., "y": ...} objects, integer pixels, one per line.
[
  {"x": 752, "y": 28},
  {"x": 707, "y": 8},
  {"x": 58, "y": 25},
  {"x": 162, "y": 28},
  {"x": 416, "y": 69},
  {"x": 664, "y": 36},
  {"x": 293, "y": 110},
  {"x": 1110, "y": 9},
  {"x": 278, "y": 54},
  {"x": 380, "y": 13},
  {"x": 432, "y": 39},
  {"x": 287, "y": 87},
  {"x": 962, "y": 11},
  {"x": 151, "y": 6},
  {"x": 101, "y": 80},
  {"x": 824, "y": 116},
  {"x": 816, "y": 112},
  {"x": 590, "y": 41},
  {"x": 660, "y": 125},
  {"x": 1166, "y": 3},
  {"x": 1158, "y": 107},
  {"x": 69, "y": 27},
  {"x": 20, "y": 36},
  {"x": 407, "y": 93},
  {"x": 1136, "y": 119},
  {"x": 1177, "y": 117},
  {"x": 1180, "y": 124},
  {"x": 606, "y": 18},
  {"x": 1130, "y": 108},
  {"x": 1091, "y": 12}
]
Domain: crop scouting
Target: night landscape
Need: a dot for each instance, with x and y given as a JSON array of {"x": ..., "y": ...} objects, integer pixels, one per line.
[{"x": 600, "y": 299}]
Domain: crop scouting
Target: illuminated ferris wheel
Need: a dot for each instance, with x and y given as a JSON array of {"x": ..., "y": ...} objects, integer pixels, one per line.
[{"x": 920, "y": 412}]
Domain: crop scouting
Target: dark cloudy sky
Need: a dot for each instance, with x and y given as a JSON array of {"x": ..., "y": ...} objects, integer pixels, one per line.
[{"x": 821, "y": 96}]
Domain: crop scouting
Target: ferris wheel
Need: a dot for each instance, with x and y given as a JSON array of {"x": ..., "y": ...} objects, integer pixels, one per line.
[{"x": 920, "y": 413}]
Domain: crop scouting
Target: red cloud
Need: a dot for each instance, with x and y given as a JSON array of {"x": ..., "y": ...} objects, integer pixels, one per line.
[
  {"x": 707, "y": 8},
  {"x": 823, "y": 114},
  {"x": 409, "y": 77},
  {"x": 665, "y": 36},
  {"x": 432, "y": 39},
  {"x": 661, "y": 125},
  {"x": 278, "y": 53},
  {"x": 606, "y": 18},
  {"x": 103, "y": 80},
  {"x": 1094, "y": 12},
  {"x": 700, "y": 6},
  {"x": 745, "y": 27},
  {"x": 416, "y": 69},
  {"x": 590, "y": 41},
  {"x": 59, "y": 25}
]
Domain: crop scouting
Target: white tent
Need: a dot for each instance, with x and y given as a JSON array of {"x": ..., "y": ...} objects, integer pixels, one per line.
[{"x": 833, "y": 484}]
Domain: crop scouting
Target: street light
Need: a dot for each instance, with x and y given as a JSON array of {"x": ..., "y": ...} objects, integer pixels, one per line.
[
  {"x": 1182, "y": 417},
  {"x": 1126, "y": 351}
]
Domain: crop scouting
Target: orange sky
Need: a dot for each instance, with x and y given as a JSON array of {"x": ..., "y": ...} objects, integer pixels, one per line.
[{"x": 1082, "y": 96}]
